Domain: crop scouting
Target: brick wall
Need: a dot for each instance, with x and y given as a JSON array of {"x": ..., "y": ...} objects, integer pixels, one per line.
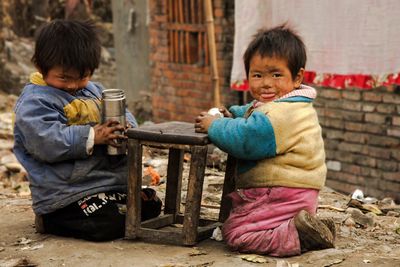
[
  {"x": 182, "y": 91},
  {"x": 361, "y": 130}
]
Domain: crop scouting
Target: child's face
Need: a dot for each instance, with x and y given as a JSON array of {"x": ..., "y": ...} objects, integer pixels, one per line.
[
  {"x": 67, "y": 80},
  {"x": 270, "y": 78}
]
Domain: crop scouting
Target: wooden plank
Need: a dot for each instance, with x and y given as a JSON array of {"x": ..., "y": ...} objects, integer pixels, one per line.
[
  {"x": 170, "y": 11},
  {"x": 180, "y": 5},
  {"x": 206, "y": 56},
  {"x": 192, "y": 12},
  {"x": 185, "y": 11},
  {"x": 187, "y": 48},
  {"x": 166, "y": 145},
  {"x": 182, "y": 46},
  {"x": 194, "y": 192},
  {"x": 176, "y": 47},
  {"x": 186, "y": 27},
  {"x": 200, "y": 48},
  {"x": 176, "y": 11},
  {"x": 174, "y": 181},
  {"x": 158, "y": 222},
  {"x": 170, "y": 46},
  {"x": 174, "y": 132},
  {"x": 173, "y": 237},
  {"x": 133, "y": 204},
  {"x": 229, "y": 186}
]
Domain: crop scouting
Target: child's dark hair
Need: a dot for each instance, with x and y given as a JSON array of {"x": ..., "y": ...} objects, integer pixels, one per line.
[
  {"x": 69, "y": 44},
  {"x": 279, "y": 42}
]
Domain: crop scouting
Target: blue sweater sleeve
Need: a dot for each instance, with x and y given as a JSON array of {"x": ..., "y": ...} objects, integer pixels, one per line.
[
  {"x": 44, "y": 136},
  {"x": 249, "y": 139},
  {"x": 239, "y": 111}
]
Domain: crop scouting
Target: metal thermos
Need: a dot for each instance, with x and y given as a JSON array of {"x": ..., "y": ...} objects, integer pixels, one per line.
[{"x": 113, "y": 107}]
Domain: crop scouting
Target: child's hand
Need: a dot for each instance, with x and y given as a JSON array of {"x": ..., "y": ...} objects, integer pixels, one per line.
[
  {"x": 105, "y": 133},
  {"x": 203, "y": 121},
  {"x": 225, "y": 112}
]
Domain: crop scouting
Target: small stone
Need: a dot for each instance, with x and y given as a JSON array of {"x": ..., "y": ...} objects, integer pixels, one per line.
[
  {"x": 388, "y": 201},
  {"x": 392, "y": 213},
  {"x": 360, "y": 218},
  {"x": 14, "y": 167},
  {"x": 8, "y": 159},
  {"x": 349, "y": 222}
]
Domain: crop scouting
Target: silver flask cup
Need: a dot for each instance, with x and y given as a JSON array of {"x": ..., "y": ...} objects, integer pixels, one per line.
[{"x": 113, "y": 107}]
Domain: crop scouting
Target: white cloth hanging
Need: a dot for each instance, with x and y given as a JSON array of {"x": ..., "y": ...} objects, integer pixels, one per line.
[{"x": 349, "y": 43}]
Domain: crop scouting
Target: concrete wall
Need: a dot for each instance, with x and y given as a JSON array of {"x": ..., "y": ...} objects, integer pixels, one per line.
[{"x": 130, "y": 19}]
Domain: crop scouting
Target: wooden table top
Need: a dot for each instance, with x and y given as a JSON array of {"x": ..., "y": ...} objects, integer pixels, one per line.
[{"x": 175, "y": 132}]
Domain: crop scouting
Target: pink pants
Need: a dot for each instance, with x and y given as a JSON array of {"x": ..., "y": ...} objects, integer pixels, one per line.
[{"x": 261, "y": 220}]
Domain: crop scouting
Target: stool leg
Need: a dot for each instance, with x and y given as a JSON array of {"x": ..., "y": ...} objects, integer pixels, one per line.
[
  {"x": 194, "y": 193},
  {"x": 133, "y": 205},
  {"x": 174, "y": 182},
  {"x": 229, "y": 186}
]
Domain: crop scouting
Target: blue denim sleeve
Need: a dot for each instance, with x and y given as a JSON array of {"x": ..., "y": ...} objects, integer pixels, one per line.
[
  {"x": 43, "y": 134},
  {"x": 249, "y": 139},
  {"x": 130, "y": 119}
]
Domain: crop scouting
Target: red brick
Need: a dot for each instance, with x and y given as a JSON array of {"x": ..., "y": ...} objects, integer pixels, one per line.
[
  {"x": 351, "y": 168},
  {"x": 352, "y": 95},
  {"x": 396, "y": 154},
  {"x": 375, "y": 118},
  {"x": 389, "y": 186},
  {"x": 393, "y": 132},
  {"x": 371, "y": 172},
  {"x": 372, "y": 96},
  {"x": 333, "y": 113},
  {"x": 330, "y": 93},
  {"x": 364, "y": 161},
  {"x": 354, "y": 126},
  {"x": 378, "y": 152},
  {"x": 391, "y": 98},
  {"x": 385, "y": 108},
  {"x": 368, "y": 107},
  {"x": 355, "y": 137},
  {"x": 334, "y": 134},
  {"x": 392, "y": 176},
  {"x": 352, "y": 116},
  {"x": 333, "y": 123},
  {"x": 386, "y": 165},
  {"x": 351, "y": 105},
  {"x": 396, "y": 121},
  {"x": 350, "y": 147}
]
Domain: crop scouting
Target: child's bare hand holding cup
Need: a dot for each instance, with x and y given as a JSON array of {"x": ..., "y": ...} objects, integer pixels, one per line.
[
  {"x": 204, "y": 120},
  {"x": 108, "y": 133}
]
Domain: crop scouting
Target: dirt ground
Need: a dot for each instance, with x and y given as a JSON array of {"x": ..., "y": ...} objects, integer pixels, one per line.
[{"x": 356, "y": 245}]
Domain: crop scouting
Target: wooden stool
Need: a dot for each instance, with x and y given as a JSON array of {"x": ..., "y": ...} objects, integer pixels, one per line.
[{"x": 177, "y": 137}]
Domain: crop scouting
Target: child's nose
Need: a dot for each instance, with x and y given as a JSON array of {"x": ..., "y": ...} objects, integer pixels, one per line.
[
  {"x": 73, "y": 85},
  {"x": 267, "y": 82}
]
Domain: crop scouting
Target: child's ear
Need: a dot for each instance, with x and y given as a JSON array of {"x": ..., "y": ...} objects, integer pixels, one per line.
[{"x": 299, "y": 78}]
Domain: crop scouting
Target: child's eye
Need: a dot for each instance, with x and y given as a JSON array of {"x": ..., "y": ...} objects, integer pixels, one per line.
[
  {"x": 276, "y": 75},
  {"x": 256, "y": 75}
]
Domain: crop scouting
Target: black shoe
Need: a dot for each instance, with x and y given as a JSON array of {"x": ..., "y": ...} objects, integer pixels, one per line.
[
  {"x": 313, "y": 233},
  {"x": 151, "y": 204}
]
